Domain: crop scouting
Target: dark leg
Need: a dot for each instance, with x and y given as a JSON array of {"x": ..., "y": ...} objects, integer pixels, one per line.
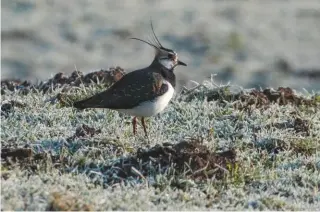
[
  {"x": 144, "y": 126},
  {"x": 134, "y": 125}
]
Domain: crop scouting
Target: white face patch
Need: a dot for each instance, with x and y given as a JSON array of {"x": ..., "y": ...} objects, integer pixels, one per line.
[{"x": 167, "y": 63}]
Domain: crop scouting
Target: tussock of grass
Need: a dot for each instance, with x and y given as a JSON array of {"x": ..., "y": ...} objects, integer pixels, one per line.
[
  {"x": 204, "y": 152},
  {"x": 67, "y": 202}
]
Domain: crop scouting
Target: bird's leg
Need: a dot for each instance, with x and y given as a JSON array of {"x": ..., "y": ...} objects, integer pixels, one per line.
[
  {"x": 144, "y": 127},
  {"x": 134, "y": 125}
]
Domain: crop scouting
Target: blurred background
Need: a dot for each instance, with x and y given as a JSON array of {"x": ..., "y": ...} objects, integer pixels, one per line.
[{"x": 248, "y": 43}]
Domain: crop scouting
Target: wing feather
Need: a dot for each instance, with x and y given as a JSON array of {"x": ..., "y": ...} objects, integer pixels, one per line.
[{"x": 132, "y": 89}]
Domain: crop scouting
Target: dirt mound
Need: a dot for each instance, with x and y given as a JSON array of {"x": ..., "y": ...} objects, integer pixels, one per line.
[
  {"x": 76, "y": 78},
  {"x": 84, "y": 131},
  {"x": 281, "y": 96},
  {"x": 189, "y": 158},
  {"x": 8, "y": 107},
  {"x": 201, "y": 162},
  {"x": 256, "y": 98}
]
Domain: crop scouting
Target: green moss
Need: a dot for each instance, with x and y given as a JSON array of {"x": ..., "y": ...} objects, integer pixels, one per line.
[
  {"x": 275, "y": 204},
  {"x": 307, "y": 146}
]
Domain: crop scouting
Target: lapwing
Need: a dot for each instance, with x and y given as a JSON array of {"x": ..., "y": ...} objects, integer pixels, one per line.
[{"x": 144, "y": 92}]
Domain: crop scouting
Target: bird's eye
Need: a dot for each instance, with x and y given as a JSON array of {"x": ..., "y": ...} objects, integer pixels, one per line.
[{"x": 171, "y": 56}]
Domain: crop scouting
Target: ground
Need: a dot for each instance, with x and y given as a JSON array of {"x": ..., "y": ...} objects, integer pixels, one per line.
[{"x": 214, "y": 147}]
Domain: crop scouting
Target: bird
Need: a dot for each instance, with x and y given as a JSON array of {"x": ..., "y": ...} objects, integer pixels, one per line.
[{"x": 141, "y": 93}]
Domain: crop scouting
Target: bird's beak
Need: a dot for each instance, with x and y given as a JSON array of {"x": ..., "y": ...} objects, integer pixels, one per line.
[{"x": 181, "y": 63}]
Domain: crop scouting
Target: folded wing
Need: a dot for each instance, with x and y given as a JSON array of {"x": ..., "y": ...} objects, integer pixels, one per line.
[{"x": 128, "y": 92}]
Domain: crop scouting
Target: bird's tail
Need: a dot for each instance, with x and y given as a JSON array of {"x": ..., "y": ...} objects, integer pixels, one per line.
[
  {"x": 80, "y": 104},
  {"x": 95, "y": 101}
]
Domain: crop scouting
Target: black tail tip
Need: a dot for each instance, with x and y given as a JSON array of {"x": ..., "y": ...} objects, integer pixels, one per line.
[{"x": 79, "y": 105}]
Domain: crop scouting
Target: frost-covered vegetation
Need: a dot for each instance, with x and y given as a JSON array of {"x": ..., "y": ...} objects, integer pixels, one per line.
[{"x": 213, "y": 148}]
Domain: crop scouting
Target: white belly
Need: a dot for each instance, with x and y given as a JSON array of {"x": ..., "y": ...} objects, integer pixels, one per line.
[{"x": 153, "y": 107}]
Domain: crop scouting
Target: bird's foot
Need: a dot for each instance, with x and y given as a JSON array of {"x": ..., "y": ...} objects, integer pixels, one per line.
[
  {"x": 134, "y": 125},
  {"x": 144, "y": 127}
]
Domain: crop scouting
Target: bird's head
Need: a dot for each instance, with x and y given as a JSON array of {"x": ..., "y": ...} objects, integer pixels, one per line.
[{"x": 164, "y": 56}]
